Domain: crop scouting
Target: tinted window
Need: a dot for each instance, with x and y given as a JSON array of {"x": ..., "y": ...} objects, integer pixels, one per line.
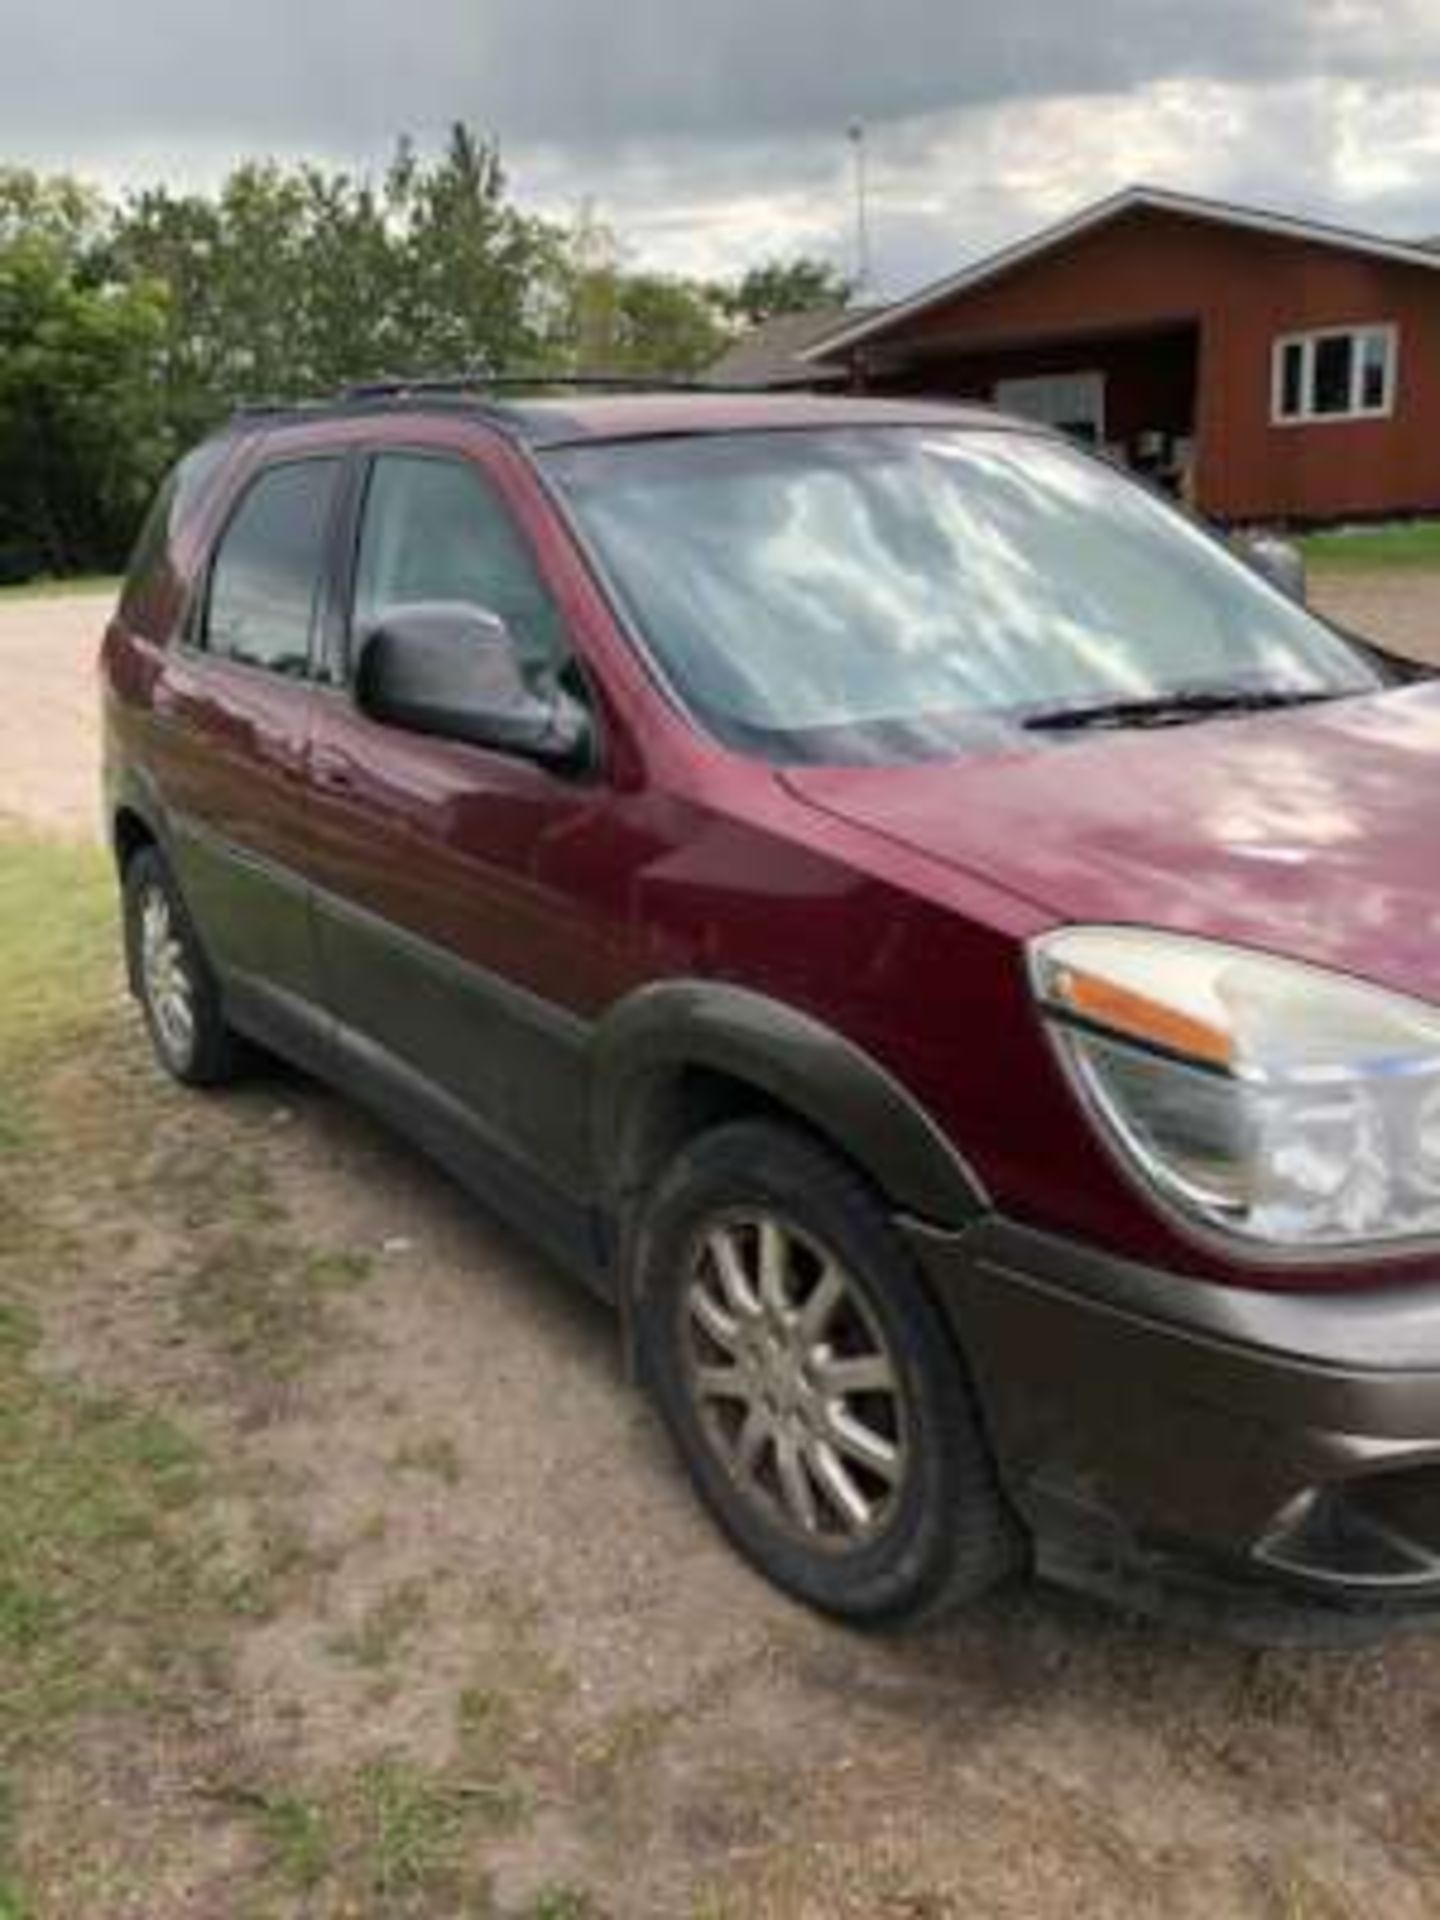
[
  {"x": 436, "y": 530},
  {"x": 266, "y": 575},
  {"x": 149, "y": 577}
]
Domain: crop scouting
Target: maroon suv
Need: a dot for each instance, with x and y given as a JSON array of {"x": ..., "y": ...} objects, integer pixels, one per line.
[{"x": 947, "y": 948}]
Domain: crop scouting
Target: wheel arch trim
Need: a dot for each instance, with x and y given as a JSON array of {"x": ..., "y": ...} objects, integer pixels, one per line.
[
  {"x": 133, "y": 792},
  {"x": 792, "y": 1059}
]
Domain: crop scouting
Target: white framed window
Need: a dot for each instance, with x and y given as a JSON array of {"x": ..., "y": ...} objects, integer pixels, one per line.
[{"x": 1334, "y": 373}]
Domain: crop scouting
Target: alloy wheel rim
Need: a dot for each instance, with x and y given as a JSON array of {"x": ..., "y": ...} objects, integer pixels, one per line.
[
  {"x": 797, "y": 1389},
  {"x": 169, "y": 991}
]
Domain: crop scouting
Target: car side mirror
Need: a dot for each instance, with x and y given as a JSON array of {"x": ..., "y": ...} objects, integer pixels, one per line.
[
  {"x": 451, "y": 669},
  {"x": 1280, "y": 561}
]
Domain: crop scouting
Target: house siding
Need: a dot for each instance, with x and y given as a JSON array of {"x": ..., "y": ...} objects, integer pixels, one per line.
[{"x": 1149, "y": 270}]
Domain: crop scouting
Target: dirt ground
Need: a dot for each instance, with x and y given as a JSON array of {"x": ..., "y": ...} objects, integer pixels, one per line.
[
  {"x": 484, "y": 1567},
  {"x": 49, "y": 714}
]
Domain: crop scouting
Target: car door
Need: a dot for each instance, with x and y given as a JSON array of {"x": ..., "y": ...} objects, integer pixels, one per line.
[
  {"x": 466, "y": 911},
  {"x": 233, "y": 714}
]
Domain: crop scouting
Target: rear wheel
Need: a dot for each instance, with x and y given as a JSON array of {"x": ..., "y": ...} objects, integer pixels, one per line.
[
  {"x": 173, "y": 980},
  {"x": 809, "y": 1383}
]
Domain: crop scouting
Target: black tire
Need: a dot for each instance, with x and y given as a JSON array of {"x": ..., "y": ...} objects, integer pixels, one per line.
[
  {"x": 948, "y": 1535},
  {"x": 210, "y": 1054}
]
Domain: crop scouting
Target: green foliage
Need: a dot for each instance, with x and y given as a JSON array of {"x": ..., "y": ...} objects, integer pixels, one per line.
[
  {"x": 44, "y": 587},
  {"x": 103, "y": 1596},
  {"x": 295, "y": 281},
  {"x": 50, "y": 961},
  {"x": 787, "y": 286},
  {"x": 1409, "y": 543},
  {"x": 561, "y": 1902},
  {"x": 639, "y": 324},
  {"x": 666, "y": 325},
  {"x": 411, "y": 1829},
  {"x": 82, "y": 429},
  {"x": 128, "y": 331},
  {"x": 297, "y": 1839}
]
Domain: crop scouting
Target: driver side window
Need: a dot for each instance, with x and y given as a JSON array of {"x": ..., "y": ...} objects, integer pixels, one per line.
[{"x": 435, "y": 529}]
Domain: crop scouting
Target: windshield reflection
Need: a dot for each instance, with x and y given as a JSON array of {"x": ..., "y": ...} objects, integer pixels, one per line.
[{"x": 896, "y": 593}]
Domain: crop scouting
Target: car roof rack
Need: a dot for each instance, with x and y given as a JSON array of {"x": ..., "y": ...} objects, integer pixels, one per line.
[
  {"x": 392, "y": 386},
  {"x": 477, "y": 386}
]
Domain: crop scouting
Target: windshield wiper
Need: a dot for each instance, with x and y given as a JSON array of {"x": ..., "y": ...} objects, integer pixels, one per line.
[{"x": 1172, "y": 709}]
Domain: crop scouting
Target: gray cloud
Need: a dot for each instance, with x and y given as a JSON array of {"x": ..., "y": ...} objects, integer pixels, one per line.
[
  {"x": 710, "y": 129},
  {"x": 592, "y": 72}
]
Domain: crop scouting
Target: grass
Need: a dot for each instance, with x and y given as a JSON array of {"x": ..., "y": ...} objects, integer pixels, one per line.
[
  {"x": 380, "y": 1633},
  {"x": 268, "y": 1305},
  {"x": 562, "y": 1903},
  {"x": 119, "y": 1598},
  {"x": 107, "y": 1609},
  {"x": 297, "y": 1840},
  {"x": 409, "y": 1829},
  {"x": 54, "y": 588},
  {"x": 93, "y": 1541},
  {"x": 58, "y": 943},
  {"x": 131, "y": 1561},
  {"x": 106, "y": 1602},
  {"x": 387, "y": 1840},
  {"x": 1403, "y": 544},
  {"x": 435, "y": 1455}
]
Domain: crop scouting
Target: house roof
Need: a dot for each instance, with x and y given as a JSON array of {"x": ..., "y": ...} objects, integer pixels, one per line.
[
  {"x": 772, "y": 354},
  {"x": 1099, "y": 213}
]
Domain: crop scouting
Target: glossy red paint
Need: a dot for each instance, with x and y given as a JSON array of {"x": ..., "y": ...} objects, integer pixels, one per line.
[
  {"x": 1309, "y": 833},
  {"x": 892, "y": 905}
]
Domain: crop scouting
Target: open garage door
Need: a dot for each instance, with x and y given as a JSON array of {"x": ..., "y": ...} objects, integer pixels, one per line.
[{"x": 1074, "y": 402}]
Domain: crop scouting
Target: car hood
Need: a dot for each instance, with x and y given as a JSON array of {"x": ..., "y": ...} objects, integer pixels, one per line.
[{"x": 1312, "y": 831}]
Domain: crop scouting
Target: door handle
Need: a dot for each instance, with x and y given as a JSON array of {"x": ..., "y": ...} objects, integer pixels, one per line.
[{"x": 334, "y": 776}]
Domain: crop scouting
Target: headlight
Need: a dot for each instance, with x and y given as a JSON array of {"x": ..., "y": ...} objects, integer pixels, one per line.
[{"x": 1283, "y": 1104}]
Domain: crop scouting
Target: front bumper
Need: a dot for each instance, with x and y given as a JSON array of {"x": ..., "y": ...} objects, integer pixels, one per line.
[{"x": 1270, "y": 1461}]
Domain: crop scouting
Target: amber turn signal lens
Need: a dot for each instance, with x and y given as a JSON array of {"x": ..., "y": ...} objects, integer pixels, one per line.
[{"x": 1124, "y": 1011}]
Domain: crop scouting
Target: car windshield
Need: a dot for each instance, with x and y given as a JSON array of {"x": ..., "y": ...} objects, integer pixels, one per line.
[{"x": 893, "y": 593}]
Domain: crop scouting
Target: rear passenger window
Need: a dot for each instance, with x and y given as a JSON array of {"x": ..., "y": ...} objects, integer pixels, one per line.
[
  {"x": 151, "y": 583},
  {"x": 434, "y": 529},
  {"x": 265, "y": 579}
]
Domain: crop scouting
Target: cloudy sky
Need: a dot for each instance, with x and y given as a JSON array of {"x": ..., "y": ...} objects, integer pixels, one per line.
[{"x": 712, "y": 132}]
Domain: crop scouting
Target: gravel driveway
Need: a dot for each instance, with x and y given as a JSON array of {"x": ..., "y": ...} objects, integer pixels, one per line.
[
  {"x": 49, "y": 732},
  {"x": 1035, "y": 1760}
]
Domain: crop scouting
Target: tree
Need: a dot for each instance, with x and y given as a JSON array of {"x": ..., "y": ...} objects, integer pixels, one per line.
[
  {"x": 82, "y": 428},
  {"x": 295, "y": 281},
  {"x": 591, "y": 334},
  {"x": 667, "y": 325},
  {"x": 787, "y": 286},
  {"x": 638, "y": 324},
  {"x": 127, "y": 332},
  {"x": 478, "y": 283}
]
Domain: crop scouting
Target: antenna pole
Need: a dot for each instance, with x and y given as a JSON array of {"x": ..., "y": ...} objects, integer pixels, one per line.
[{"x": 855, "y": 134}]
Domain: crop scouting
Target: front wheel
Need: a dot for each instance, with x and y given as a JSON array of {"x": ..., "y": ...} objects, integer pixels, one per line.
[{"x": 813, "y": 1390}]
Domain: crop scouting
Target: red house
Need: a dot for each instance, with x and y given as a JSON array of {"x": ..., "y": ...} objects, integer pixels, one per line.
[{"x": 1274, "y": 369}]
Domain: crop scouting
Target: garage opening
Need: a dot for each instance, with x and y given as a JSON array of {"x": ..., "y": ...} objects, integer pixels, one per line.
[{"x": 1133, "y": 393}]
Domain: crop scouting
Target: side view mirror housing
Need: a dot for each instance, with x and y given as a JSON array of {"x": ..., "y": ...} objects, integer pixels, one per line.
[
  {"x": 1280, "y": 561},
  {"x": 452, "y": 669}
]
